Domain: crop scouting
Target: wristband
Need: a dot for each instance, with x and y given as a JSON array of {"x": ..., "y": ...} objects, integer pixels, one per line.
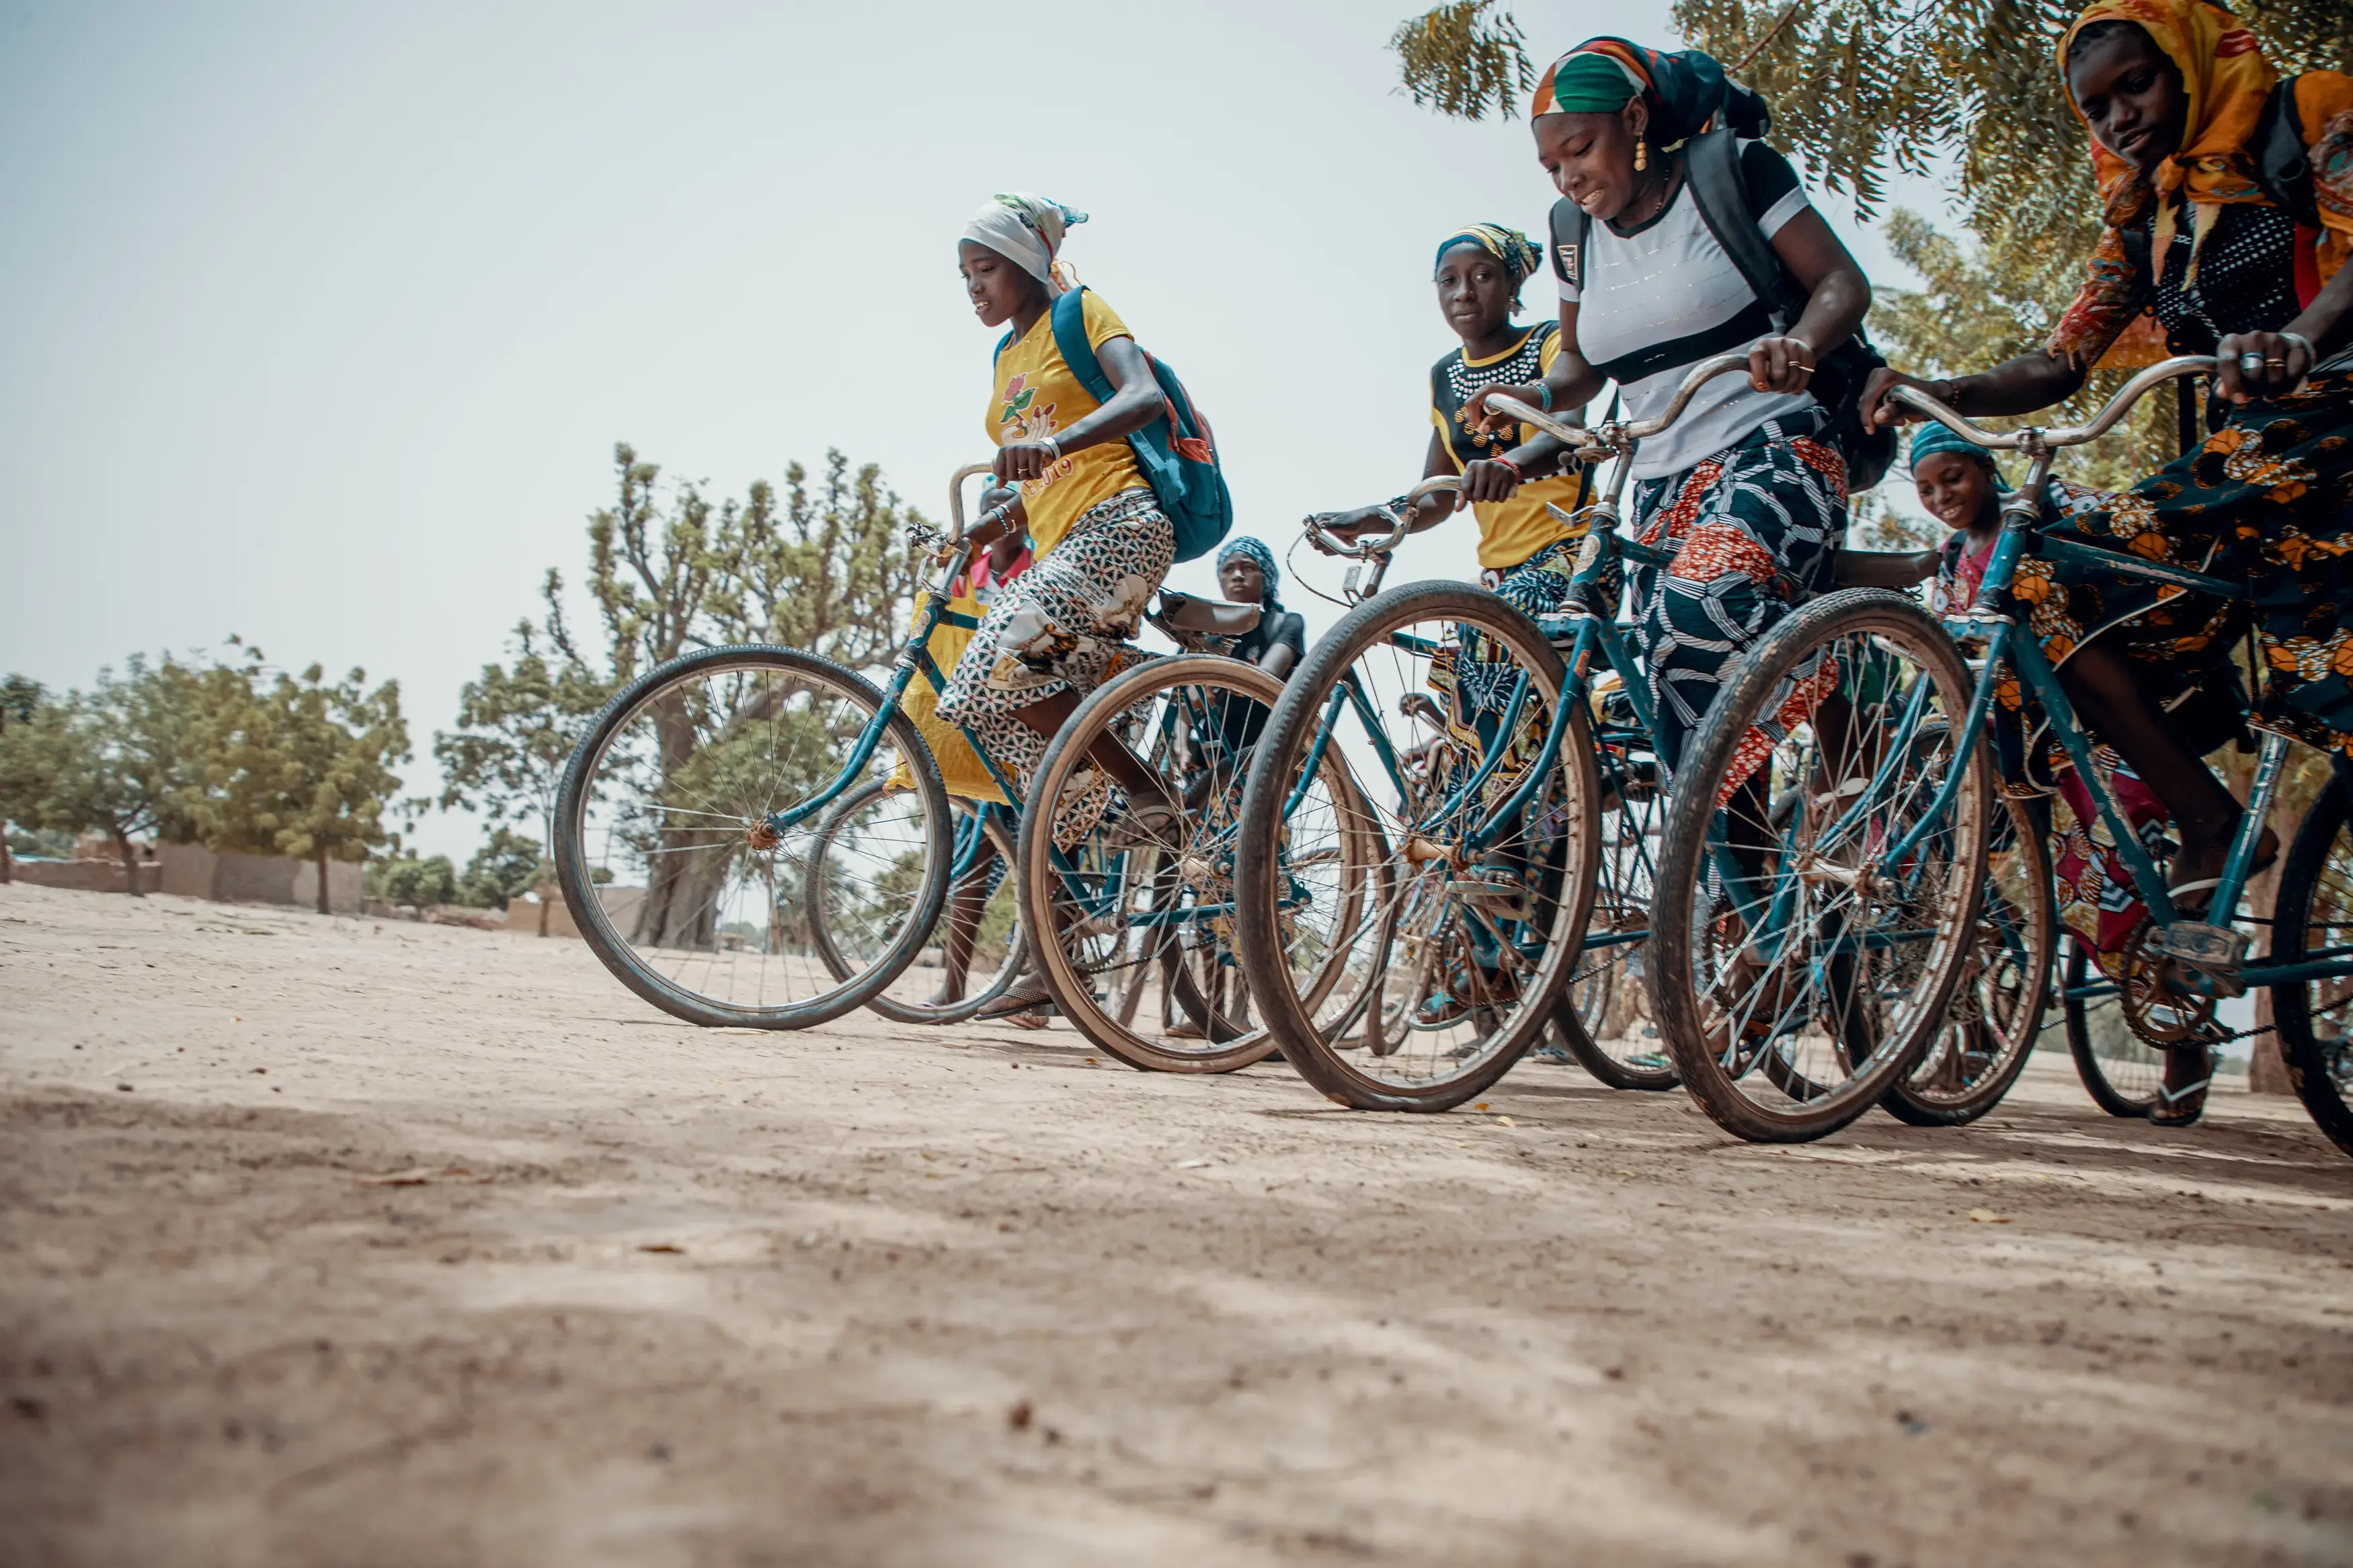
[
  {"x": 1507, "y": 462},
  {"x": 2307, "y": 343},
  {"x": 1053, "y": 450},
  {"x": 1544, "y": 395}
]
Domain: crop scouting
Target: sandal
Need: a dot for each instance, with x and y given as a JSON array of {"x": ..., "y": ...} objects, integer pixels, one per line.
[
  {"x": 2187, "y": 907},
  {"x": 2182, "y": 1106},
  {"x": 1025, "y": 996}
]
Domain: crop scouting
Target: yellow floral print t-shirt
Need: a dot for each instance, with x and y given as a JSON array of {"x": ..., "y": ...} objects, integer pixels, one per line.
[
  {"x": 1509, "y": 531},
  {"x": 1038, "y": 396}
]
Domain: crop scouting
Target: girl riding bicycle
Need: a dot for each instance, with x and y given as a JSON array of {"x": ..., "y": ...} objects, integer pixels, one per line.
[
  {"x": 2186, "y": 117},
  {"x": 1101, "y": 544},
  {"x": 1748, "y": 489}
]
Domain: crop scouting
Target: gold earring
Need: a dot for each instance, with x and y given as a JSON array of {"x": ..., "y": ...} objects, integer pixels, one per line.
[{"x": 1641, "y": 155}]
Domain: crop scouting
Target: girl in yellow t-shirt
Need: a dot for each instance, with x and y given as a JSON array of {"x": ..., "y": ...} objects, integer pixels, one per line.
[
  {"x": 1101, "y": 544},
  {"x": 1524, "y": 550}
]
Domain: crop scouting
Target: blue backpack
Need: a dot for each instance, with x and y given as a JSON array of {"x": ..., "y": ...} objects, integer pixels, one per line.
[{"x": 1174, "y": 452}]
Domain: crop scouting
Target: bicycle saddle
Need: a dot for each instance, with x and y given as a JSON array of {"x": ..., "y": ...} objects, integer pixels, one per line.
[
  {"x": 1884, "y": 568},
  {"x": 1205, "y": 617}
]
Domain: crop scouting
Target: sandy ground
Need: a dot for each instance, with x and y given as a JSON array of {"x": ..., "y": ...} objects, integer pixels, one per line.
[{"x": 358, "y": 1242}]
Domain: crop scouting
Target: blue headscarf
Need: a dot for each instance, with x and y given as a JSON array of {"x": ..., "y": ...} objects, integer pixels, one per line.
[
  {"x": 1933, "y": 437},
  {"x": 1257, "y": 556}
]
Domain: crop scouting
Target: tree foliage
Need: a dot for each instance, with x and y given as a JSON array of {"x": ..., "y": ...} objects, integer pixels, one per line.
[
  {"x": 125, "y": 759},
  {"x": 504, "y": 868},
  {"x": 414, "y": 884},
  {"x": 1861, "y": 89},
  {"x": 831, "y": 569},
  {"x": 303, "y": 768}
]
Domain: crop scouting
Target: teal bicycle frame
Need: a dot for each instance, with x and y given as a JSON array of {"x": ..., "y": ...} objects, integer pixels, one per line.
[{"x": 2006, "y": 645}]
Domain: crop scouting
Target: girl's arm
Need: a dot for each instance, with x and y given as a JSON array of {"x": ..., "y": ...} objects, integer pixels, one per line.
[
  {"x": 1135, "y": 402},
  {"x": 1837, "y": 296},
  {"x": 2324, "y": 326}
]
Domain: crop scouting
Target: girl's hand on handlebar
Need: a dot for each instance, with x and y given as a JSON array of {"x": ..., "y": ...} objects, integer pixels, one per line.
[
  {"x": 1879, "y": 411},
  {"x": 1476, "y": 415},
  {"x": 1348, "y": 525},
  {"x": 2249, "y": 366},
  {"x": 1490, "y": 480},
  {"x": 1019, "y": 460},
  {"x": 1781, "y": 364}
]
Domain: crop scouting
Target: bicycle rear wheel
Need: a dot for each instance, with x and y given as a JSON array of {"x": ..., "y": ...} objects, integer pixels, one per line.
[
  {"x": 1974, "y": 1058},
  {"x": 1603, "y": 1019},
  {"x": 985, "y": 847},
  {"x": 1133, "y": 934},
  {"x": 2313, "y": 918},
  {"x": 1824, "y": 950},
  {"x": 676, "y": 880},
  {"x": 1487, "y": 852},
  {"x": 2120, "y": 1071}
]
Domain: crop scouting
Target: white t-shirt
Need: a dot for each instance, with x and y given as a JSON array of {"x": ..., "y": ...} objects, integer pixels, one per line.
[{"x": 1655, "y": 299}]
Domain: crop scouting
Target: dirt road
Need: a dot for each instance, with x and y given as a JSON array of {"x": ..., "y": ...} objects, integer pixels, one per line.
[{"x": 361, "y": 1242}]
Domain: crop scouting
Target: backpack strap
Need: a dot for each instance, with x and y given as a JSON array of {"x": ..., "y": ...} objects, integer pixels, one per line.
[
  {"x": 2282, "y": 168},
  {"x": 1712, "y": 167},
  {"x": 1569, "y": 226},
  {"x": 1070, "y": 314}
]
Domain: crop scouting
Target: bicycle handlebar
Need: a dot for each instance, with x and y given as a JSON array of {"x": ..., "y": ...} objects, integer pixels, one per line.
[
  {"x": 2031, "y": 438},
  {"x": 1364, "y": 550},
  {"x": 1593, "y": 445}
]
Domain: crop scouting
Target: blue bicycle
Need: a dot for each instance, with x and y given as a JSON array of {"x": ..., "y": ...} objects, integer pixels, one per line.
[{"x": 1842, "y": 932}]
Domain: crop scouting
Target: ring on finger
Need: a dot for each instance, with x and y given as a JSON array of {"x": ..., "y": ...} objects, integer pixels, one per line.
[
  {"x": 2274, "y": 364},
  {"x": 2250, "y": 361}
]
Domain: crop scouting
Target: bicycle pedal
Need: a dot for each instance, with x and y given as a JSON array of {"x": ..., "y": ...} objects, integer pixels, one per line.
[{"x": 2216, "y": 949}]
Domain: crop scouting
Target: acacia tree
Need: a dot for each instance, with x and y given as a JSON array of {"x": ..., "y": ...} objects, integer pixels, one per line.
[
  {"x": 671, "y": 570},
  {"x": 304, "y": 769},
  {"x": 125, "y": 758}
]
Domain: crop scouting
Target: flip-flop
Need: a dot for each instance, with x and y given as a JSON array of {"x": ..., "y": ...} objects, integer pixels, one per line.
[
  {"x": 1021, "y": 998},
  {"x": 2166, "y": 1110}
]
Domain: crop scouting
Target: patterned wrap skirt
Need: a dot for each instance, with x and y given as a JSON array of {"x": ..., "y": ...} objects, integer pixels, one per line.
[
  {"x": 2266, "y": 501},
  {"x": 1062, "y": 626},
  {"x": 1756, "y": 530}
]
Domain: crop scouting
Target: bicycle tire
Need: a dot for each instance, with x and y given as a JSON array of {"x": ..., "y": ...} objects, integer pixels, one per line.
[
  {"x": 2096, "y": 1078},
  {"x": 1017, "y": 956},
  {"x": 2320, "y": 1068},
  {"x": 1257, "y": 879},
  {"x": 1574, "y": 1016},
  {"x": 1888, "y": 620},
  {"x": 574, "y": 871},
  {"x": 1226, "y": 1047},
  {"x": 2031, "y": 877}
]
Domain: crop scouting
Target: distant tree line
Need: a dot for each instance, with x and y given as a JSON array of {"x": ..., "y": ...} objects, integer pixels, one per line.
[
  {"x": 231, "y": 753},
  {"x": 236, "y": 755}
]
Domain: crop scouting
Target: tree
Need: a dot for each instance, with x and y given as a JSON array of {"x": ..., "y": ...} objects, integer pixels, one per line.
[
  {"x": 834, "y": 570},
  {"x": 416, "y": 884},
  {"x": 124, "y": 759},
  {"x": 506, "y": 866},
  {"x": 303, "y": 769},
  {"x": 20, "y": 699},
  {"x": 1862, "y": 88}
]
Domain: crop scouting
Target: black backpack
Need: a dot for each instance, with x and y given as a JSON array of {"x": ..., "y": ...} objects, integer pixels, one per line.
[{"x": 1711, "y": 170}]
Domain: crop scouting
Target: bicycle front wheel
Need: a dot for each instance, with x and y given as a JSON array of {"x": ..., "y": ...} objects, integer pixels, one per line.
[
  {"x": 1822, "y": 949},
  {"x": 677, "y": 875},
  {"x": 1478, "y": 791}
]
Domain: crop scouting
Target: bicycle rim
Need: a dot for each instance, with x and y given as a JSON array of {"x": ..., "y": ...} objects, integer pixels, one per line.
[
  {"x": 1441, "y": 698},
  {"x": 1823, "y": 948},
  {"x": 679, "y": 887}
]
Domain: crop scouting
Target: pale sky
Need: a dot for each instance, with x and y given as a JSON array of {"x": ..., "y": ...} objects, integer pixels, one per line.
[{"x": 318, "y": 321}]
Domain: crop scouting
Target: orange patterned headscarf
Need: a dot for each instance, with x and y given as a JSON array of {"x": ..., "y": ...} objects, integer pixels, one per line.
[{"x": 2226, "y": 79}]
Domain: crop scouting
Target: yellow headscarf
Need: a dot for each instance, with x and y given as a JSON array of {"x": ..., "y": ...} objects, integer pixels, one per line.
[{"x": 2226, "y": 79}]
